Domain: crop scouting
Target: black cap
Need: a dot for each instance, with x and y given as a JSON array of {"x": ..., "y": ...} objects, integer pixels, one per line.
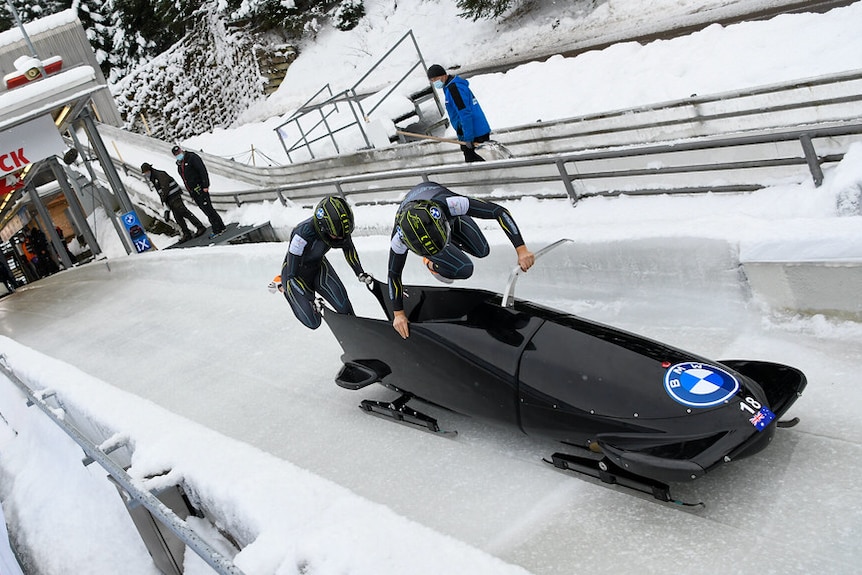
[
  {"x": 436, "y": 70},
  {"x": 145, "y": 167},
  {"x": 176, "y": 150}
]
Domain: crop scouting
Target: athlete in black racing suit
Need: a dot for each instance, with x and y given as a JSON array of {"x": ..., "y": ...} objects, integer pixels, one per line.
[
  {"x": 306, "y": 270},
  {"x": 437, "y": 223}
]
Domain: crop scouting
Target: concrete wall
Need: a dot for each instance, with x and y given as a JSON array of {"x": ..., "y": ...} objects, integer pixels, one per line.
[{"x": 832, "y": 288}]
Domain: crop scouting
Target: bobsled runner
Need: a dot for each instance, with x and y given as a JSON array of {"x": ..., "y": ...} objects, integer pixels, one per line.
[{"x": 628, "y": 410}]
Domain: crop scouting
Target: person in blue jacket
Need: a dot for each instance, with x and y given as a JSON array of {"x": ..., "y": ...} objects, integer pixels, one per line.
[
  {"x": 465, "y": 113},
  {"x": 437, "y": 224},
  {"x": 306, "y": 270}
]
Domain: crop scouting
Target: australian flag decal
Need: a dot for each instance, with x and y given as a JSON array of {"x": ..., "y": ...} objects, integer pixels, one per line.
[{"x": 762, "y": 418}]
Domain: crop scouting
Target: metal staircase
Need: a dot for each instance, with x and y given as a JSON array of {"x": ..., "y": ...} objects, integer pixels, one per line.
[{"x": 313, "y": 121}]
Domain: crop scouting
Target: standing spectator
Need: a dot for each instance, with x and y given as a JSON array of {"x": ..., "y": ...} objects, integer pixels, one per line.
[
  {"x": 194, "y": 174},
  {"x": 65, "y": 242},
  {"x": 172, "y": 197},
  {"x": 45, "y": 264},
  {"x": 465, "y": 114},
  {"x": 25, "y": 244},
  {"x": 437, "y": 224},
  {"x": 306, "y": 270},
  {"x": 6, "y": 276}
]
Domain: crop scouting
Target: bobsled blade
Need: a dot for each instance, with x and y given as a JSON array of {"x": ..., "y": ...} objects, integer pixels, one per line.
[
  {"x": 607, "y": 472},
  {"x": 399, "y": 412}
]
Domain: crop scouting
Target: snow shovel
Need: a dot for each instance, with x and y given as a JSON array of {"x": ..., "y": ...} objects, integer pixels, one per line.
[{"x": 501, "y": 151}]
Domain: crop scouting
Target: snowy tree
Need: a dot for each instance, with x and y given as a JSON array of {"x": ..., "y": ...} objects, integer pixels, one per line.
[
  {"x": 476, "y": 9},
  {"x": 348, "y": 14},
  {"x": 204, "y": 81},
  {"x": 29, "y": 11},
  {"x": 97, "y": 25}
]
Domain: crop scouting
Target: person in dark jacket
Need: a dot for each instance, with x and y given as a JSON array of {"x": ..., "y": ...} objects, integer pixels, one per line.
[
  {"x": 197, "y": 181},
  {"x": 437, "y": 224},
  {"x": 45, "y": 263},
  {"x": 465, "y": 113},
  {"x": 6, "y": 276},
  {"x": 306, "y": 270},
  {"x": 172, "y": 196}
]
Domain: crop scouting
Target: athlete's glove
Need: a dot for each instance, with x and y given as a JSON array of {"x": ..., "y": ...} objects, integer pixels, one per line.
[
  {"x": 468, "y": 145},
  {"x": 275, "y": 284},
  {"x": 365, "y": 278},
  {"x": 167, "y": 215}
]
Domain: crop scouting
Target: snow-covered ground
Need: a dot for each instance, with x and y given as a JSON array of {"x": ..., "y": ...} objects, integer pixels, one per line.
[{"x": 211, "y": 377}]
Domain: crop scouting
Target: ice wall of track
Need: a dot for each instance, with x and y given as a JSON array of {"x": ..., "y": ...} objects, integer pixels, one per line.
[{"x": 649, "y": 272}]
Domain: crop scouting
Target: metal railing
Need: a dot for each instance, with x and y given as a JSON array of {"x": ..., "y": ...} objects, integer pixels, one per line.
[
  {"x": 824, "y": 100},
  {"x": 742, "y": 162},
  {"x": 353, "y": 98}
]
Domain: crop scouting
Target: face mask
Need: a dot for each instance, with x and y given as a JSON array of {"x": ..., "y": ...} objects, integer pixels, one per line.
[
  {"x": 438, "y": 84},
  {"x": 179, "y": 157}
]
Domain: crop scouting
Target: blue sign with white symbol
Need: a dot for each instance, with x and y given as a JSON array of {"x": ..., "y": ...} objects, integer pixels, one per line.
[
  {"x": 136, "y": 232},
  {"x": 435, "y": 212},
  {"x": 699, "y": 384}
]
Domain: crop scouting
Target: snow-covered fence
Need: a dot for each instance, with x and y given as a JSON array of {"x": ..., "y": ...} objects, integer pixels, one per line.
[
  {"x": 99, "y": 453},
  {"x": 830, "y": 101},
  {"x": 786, "y": 105}
]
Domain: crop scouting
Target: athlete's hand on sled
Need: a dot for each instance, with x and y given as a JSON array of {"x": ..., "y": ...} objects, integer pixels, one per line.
[
  {"x": 400, "y": 324},
  {"x": 365, "y": 278},
  {"x": 526, "y": 259},
  {"x": 167, "y": 215}
]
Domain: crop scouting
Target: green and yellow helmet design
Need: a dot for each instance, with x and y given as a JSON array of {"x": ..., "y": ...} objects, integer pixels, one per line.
[
  {"x": 423, "y": 227},
  {"x": 333, "y": 220}
]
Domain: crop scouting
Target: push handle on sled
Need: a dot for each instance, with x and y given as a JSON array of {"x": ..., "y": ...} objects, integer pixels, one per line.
[{"x": 509, "y": 295}]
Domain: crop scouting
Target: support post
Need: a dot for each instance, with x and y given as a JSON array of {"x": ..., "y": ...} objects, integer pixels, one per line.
[
  {"x": 812, "y": 159},
  {"x": 110, "y": 173},
  {"x": 46, "y": 219},
  {"x": 109, "y": 210},
  {"x": 75, "y": 210},
  {"x": 80, "y": 218},
  {"x": 567, "y": 182}
]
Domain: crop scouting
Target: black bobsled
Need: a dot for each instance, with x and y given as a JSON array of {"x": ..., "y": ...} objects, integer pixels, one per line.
[{"x": 631, "y": 410}]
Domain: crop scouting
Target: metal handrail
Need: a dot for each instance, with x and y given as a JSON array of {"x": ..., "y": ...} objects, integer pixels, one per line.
[
  {"x": 159, "y": 510},
  {"x": 693, "y": 117},
  {"x": 354, "y": 99},
  {"x": 563, "y": 168}
]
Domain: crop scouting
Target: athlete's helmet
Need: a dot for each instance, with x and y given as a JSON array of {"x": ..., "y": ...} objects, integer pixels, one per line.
[
  {"x": 423, "y": 227},
  {"x": 333, "y": 220}
]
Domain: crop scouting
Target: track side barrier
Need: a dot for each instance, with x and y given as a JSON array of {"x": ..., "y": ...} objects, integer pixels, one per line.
[{"x": 162, "y": 549}]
